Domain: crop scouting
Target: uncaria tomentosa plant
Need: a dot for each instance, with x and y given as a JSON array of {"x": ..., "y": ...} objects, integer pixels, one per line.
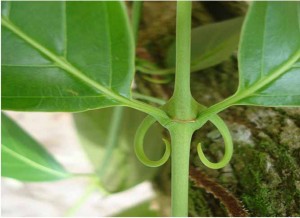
[{"x": 79, "y": 56}]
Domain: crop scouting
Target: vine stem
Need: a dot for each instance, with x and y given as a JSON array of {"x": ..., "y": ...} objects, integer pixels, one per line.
[
  {"x": 182, "y": 101},
  {"x": 183, "y": 107},
  {"x": 181, "y": 135}
]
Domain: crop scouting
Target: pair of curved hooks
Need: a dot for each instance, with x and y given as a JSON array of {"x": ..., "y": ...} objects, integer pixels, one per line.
[{"x": 149, "y": 121}]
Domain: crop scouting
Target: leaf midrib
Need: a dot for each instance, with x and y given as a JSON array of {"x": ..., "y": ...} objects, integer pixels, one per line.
[
  {"x": 68, "y": 67},
  {"x": 62, "y": 62},
  {"x": 195, "y": 61},
  {"x": 265, "y": 80},
  {"x": 32, "y": 163},
  {"x": 242, "y": 94}
]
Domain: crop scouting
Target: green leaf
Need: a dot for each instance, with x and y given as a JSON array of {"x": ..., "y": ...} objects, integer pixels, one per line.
[
  {"x": 25, "y": 159},
  {"x": 107, "y": 137},
  {"x": 65, "y": 56},
  {"x": 141, "y": 210},
  {"x": 296, "y": 65},
  {"x": 269, "y": 49},
  {"x": 211, "y": 44}
]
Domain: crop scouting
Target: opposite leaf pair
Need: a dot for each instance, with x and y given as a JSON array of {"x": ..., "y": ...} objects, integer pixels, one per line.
[
  {"x": 69, "y": 76},
  {"x": 73, "y": 56}
]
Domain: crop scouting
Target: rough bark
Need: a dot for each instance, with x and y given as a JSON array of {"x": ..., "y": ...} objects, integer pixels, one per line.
[{"x": 264, "y": 173}]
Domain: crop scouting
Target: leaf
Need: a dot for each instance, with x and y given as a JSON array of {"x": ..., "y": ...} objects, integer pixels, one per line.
[
  {"x": 270, "y": 46},
  {"x": 211, "y": 44},
  {"x": 107, "y": 138},
  {"x": 25, "y": 159},
  {"x": 65, "y": 56},
  {"x": 141, "y": 210},
  {"x": 296, "y": 64}
]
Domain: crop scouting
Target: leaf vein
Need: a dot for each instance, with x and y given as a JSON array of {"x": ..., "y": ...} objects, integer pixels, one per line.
[
  {"x": 63, "y": 63},
  {"x": 32, "y": 163}
]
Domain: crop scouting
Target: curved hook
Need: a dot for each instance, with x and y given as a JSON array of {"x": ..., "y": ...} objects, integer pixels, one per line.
[
  {"x": 222, "y": 127},
  {"x": 139, "y": 148}
]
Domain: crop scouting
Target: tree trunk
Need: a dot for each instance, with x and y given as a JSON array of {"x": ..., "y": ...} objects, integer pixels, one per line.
[{"x": 263, "y": 177}]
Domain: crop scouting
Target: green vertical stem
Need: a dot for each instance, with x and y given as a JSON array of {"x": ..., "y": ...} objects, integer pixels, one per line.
[
  {"x": 183, "y": 109},
  {"x": 182, "y": 100},
  {"x": 181, "y": 135}
]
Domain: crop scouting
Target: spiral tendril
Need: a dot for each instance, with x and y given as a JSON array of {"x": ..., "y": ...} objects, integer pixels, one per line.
[
  {"x": 222, "y": 127},
  {"x": 139, "y": 148}
]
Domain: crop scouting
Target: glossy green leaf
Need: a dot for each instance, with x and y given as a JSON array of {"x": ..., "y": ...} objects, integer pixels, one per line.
[
  {"x": 269, "y": 50},
  {"x": 211, "y": 44},
  {"x": 107, "y": 137},
  {"x": 25, "y": 159},
  {"x": 65, "y": 56}
]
